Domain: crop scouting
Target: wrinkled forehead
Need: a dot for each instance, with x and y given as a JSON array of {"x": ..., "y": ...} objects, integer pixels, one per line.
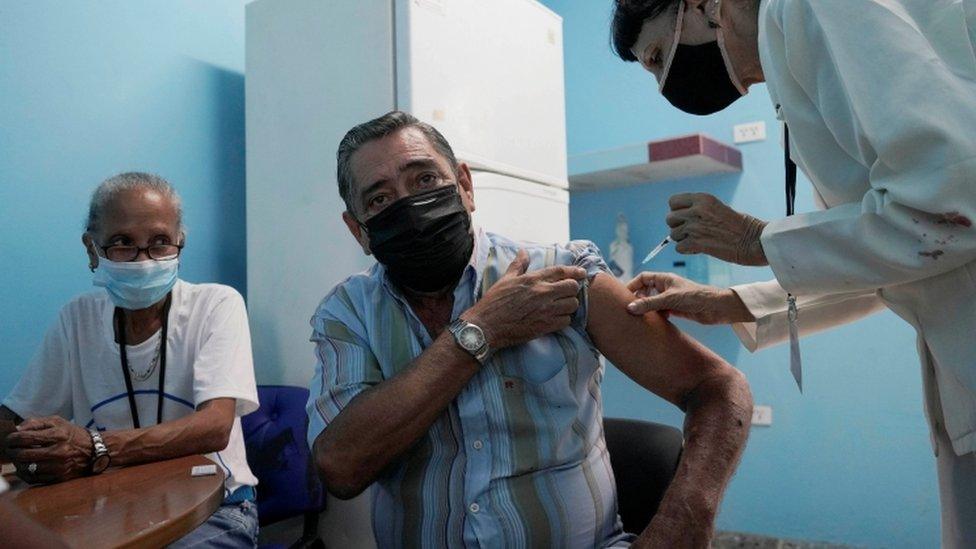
[
  {"x": 655, "y": 31},
  {"x": 132, "y": 209},
  {"x": 386, "y": 156}
]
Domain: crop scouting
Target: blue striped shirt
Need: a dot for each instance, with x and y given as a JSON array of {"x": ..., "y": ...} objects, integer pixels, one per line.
[{"x": 518, "y": 459}]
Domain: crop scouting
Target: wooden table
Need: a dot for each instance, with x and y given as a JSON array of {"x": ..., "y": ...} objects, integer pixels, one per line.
[{"x": 144, "y": 505}]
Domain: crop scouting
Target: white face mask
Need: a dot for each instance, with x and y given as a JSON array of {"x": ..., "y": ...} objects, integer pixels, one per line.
[{"x": 136, "y": 285}]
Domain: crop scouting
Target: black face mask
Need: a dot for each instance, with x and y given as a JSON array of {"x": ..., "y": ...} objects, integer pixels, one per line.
[
  {"x": 424, "y": 240},
  {"x": 698, "y": 81}
]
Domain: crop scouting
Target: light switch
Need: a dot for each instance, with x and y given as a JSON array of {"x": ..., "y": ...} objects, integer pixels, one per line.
[{"x": 748, "y": 133}]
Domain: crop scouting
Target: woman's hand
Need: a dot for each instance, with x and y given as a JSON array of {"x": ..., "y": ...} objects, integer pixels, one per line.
[
  {"x": 702, "y": 224},
  {"x": 668, "y": 293}
]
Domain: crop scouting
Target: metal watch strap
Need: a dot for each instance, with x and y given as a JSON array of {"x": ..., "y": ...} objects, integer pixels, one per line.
[
  {"x": 482, "y": 353},
  {"x": 99, "y": 448}
]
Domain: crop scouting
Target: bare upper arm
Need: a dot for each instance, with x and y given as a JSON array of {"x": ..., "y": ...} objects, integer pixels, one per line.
[{"x": 649, "y": 349}]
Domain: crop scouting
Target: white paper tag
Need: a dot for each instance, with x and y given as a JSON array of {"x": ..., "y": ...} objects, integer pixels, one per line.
[
  {"x": 796, "y": 364},
  {"x": 203, "y": 470}
]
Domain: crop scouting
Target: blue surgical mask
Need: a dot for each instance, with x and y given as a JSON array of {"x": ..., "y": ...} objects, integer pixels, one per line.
[{"x": 136, "y": 285}]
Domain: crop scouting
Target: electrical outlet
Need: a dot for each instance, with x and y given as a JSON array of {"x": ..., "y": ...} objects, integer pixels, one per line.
[
  {"x": 748, "y": 133},
  {"x": 762, "y": 415}
]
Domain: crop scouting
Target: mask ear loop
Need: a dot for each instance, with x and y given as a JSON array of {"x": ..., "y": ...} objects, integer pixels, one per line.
[
  {"x": 674, "y": 46},
  {"x": 720, "y": 37}
]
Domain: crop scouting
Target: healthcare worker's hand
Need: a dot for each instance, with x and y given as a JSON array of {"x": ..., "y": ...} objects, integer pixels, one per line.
[
  {"x": 703, "y": 224},
  {"x": 669, "y": 293}
]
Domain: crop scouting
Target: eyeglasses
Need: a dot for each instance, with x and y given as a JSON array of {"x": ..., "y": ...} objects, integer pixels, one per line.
[{"x": 157, "y": 252}]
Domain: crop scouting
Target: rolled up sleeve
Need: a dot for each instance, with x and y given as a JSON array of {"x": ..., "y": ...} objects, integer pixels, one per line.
[{"x": 767, "y": 302}]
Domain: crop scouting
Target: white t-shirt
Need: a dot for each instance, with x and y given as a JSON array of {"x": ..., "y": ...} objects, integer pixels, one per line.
[
  {"x": 77, "y": 373},
  {"x": 3, "y": 485}
]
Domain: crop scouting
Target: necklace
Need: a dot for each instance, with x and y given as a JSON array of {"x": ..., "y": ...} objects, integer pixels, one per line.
[{"x": 152, "y": 365}]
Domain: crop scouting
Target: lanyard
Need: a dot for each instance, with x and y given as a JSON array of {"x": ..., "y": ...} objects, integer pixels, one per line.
[
  {"x": 120, "y": 325},
  {"x": 790, "y": 175}
]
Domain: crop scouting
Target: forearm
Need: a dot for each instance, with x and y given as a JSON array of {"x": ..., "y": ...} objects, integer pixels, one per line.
[
  {"x": 204, "y": 431},
  {"x": 718, "y": 415},
  {"x": 382, "y": 423}
]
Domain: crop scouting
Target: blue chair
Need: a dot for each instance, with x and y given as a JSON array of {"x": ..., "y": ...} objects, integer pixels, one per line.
[
  {"x": 289, "y": 485},
  {"x": 644, "y": 457}
]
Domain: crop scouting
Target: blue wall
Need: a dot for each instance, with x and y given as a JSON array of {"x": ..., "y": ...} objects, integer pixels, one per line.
[
  {"x": 90, "y": 89},
  {"x": 849, "y": 461}
]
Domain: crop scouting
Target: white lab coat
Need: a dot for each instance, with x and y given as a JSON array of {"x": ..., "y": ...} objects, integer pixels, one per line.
[{"x": 880, "y": 99}]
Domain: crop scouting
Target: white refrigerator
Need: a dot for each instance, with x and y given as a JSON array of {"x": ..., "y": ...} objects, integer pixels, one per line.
[{"x": 487, "y": 74}]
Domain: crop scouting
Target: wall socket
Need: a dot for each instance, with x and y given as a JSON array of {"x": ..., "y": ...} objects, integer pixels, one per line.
[
  {"x": 748, "y": 133},
  {"x": 762, "y": 415}
]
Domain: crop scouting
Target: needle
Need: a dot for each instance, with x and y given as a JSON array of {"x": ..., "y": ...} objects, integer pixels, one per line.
[{"x": 664, "y": 244}]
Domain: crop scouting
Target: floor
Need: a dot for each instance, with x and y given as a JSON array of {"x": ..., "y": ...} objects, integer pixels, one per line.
[{"x": 738, "y": 540}]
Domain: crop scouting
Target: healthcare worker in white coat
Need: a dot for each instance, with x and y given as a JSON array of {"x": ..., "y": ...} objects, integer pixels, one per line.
[{"x": 879, "y": 101}]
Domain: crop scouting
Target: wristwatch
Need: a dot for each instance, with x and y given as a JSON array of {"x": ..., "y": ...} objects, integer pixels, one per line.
[
  {"x": 100, "y": 458},
  {"x": 471, "y": 338}
]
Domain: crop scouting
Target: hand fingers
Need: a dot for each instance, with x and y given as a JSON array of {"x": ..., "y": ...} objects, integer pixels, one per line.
[
  {"x": 682, "y": 201},
  {"x": 564, "y": 288},
  {"x": 28, "y": 455},
  {"x": 565, "y": 306},
  {"x": 680, "y": 233},
  {"x": 35, "y": 424},
  {"x": 519, "y": 264},
  {"x": 645, "y": 305},
  {"x": 43, "y": 471},
  {"x": 560, "y": 272},
  {"x": 658, "y": 281},
  {"x": 676, "y": 219},
  {"x": 560, "y": 322},
  {"x": 31, "y": 439},
  {"x": 687, "y": 246}
]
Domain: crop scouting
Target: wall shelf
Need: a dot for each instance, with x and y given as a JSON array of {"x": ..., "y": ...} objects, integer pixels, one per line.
[{"x": 668, "y": 159}]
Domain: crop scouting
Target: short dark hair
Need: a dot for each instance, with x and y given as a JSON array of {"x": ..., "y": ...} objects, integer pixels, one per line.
[
  {"x": 628, "y": 20},
  {"x": 378, "y": 128}
]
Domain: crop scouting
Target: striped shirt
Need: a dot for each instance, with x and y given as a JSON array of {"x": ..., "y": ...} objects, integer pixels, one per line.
[{"x": 518, "y": 459}]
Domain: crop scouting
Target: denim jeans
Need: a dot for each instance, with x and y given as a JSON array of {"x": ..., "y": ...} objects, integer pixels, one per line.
[{"x": 232, "y": 525}]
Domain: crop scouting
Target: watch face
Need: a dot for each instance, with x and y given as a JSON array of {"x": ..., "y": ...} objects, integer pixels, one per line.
[
  {"x": 471, "y": 338},
  {"x": 100, "y": 463}
]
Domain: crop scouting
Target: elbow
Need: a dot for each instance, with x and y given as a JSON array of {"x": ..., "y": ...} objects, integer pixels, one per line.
[
  {"x": 739, "y": 394},
  {"x": 732, "y": 389},
  {"x": 222, "y": 439},
  {"x": 217, "y": 440},
  {"x": 338, "y": 472},
  {"x": 728, "y": 389}
]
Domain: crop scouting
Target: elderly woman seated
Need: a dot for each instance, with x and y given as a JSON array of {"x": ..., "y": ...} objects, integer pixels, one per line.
[{"x": 147, "y": 367}]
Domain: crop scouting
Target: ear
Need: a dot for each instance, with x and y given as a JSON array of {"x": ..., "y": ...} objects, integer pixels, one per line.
[
  {"x": 466, "y": 185},
  {"x": 89, "y": 244},
  {"x": 357, "y": 231},
  {"x": 707, "y": 9}
]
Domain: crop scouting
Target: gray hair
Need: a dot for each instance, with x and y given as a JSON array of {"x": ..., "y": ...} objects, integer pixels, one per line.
[
  {"x": 109, "y": 189},
  {"x": 379, "y": 128}
]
